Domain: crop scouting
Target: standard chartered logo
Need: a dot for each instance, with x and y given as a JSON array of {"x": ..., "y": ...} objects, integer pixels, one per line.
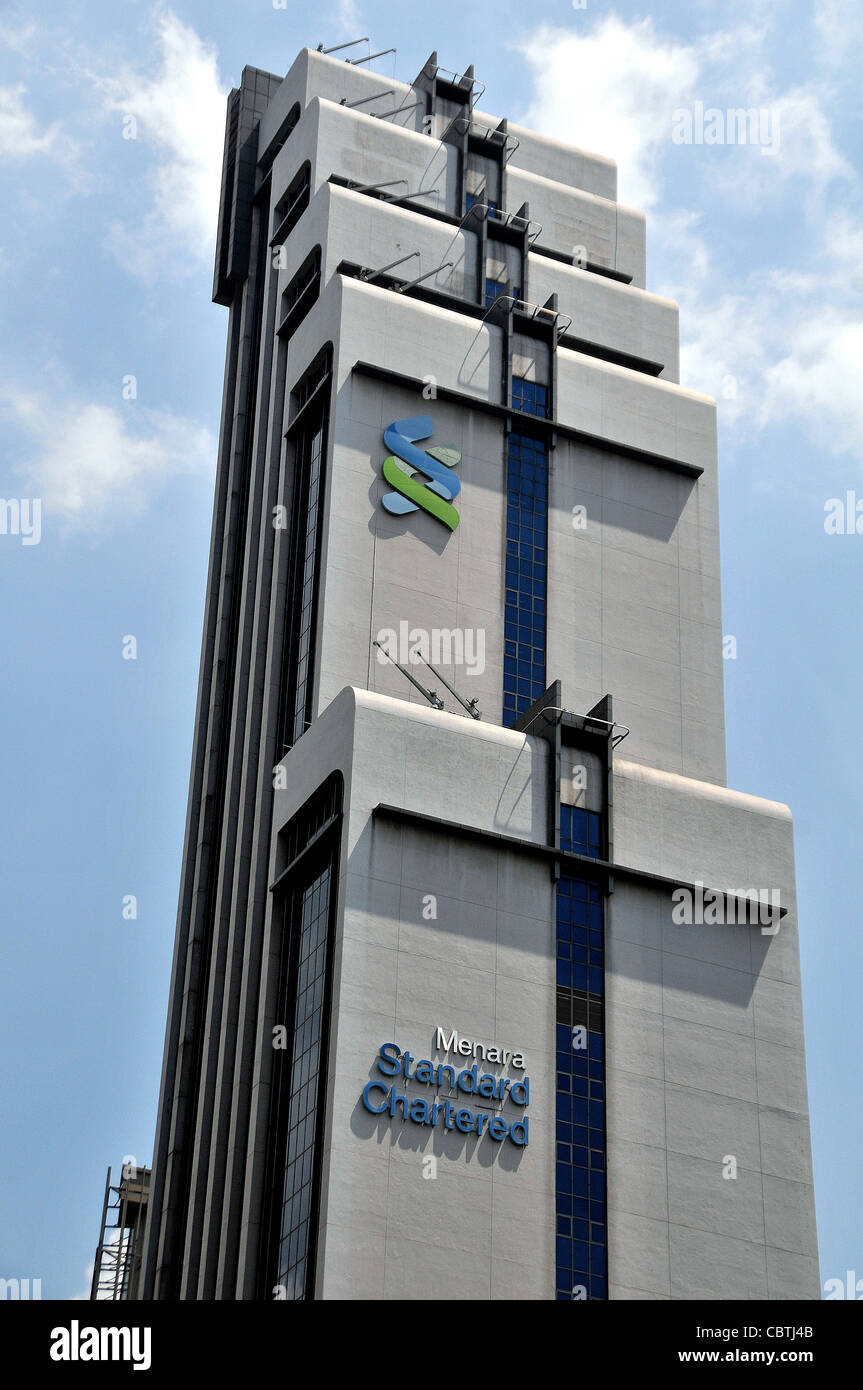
[{"x": 411, "y": 494}]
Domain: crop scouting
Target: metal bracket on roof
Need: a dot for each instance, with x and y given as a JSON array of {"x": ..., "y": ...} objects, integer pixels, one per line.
[
  {"x": 475, "y": 208},
  {"x": 354, "y": 62},
  {"x": 470, "y": 706},
  {"x": 367, "y": 274},
  {"x": 533, "y": 311},
  {"x": 337, "y": 48},
  {"x": 396, "y": 111},
  {"x": 445, "y": 265},
  {"x": 589, "y": 721},
  {"x": 528, "y": 223},
  {"x": 496, "y": 136},
  {"x": 459, "y": 79},
  {"x": 417, "y": 193},
  {"x": 390, "y": 92},
  {"x": 509, "y": 219},
  {"x": 431, "y": 695},
  {"x": 373, "y": 187}
]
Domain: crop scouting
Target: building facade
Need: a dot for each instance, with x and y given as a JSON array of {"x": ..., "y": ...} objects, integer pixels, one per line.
[{"x": 485, "y": 985}]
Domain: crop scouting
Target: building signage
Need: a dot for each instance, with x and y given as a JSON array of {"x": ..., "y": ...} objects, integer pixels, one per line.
[
  {"x": 477, "y": 1107},
  {"x": 435, "y": 497},
  {"x": 465, "y": 1048}
]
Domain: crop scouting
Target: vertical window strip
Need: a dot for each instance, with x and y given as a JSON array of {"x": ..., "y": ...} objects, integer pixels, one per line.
[
  {"x": 312, "y": 447},
  {"x": 526, "y": 573},
  {"x": 581, "y": 1266},
  {"x": 311, "y": 919},
  {"x": 298, "y": 1083}
]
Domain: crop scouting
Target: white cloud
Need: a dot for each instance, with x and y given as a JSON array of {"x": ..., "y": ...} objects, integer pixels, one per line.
[
  {"x": 20, "y": 135},
  {"x": 817, "y": 382},
  {"x": 799, "y": 140},
  {"x": 839, "y": 27},
  {"x": 806, "y": 141},
  {"x": 843, "y": 241},
  {"x": 180, "y": 112},
  {"x": 348, "y": 19},
  {"x": 16, "y": 39},
  {"x": 777, "y": 343},
  {"x": 783, "y": 346},
  {"x": 611, "y": 90},
  {"x": 614, "y": 89},
  {"x": 723, "y": 346},
  {"x": 89, "y": 461}
]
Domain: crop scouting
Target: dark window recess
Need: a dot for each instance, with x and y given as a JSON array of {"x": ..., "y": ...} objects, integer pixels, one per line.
[
  {"x": 301, "y": 293},
  {"x": 312, "y": 463},
  {"x": 312, "y": 379},
  {"x": 281, "y": 137},
  {"x": 526, "y": 569},
  {"x": 530, "y": 396},
  {"x": 299, "y": 1073},
  {"x": 298, "y": 834},
  {"x": 308, "y": 439},
  {"x": 581, "y": 1252},
  {"x": 291, "y": 206},
  {"x": 308, "y": 922}
]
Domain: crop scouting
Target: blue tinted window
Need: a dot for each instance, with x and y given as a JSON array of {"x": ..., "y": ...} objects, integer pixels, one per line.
[
  {"x": 530, "y": 396},
  {"x": 472, "y": 199},
  {"x": 581, "y": 1254},
  {"x": 493, "y": 288},
  {"x": 580, "y": 831},
  {"x": 524, "y": 676}
]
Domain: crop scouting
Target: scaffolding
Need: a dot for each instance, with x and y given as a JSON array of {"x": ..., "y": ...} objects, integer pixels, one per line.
[{"x": 117, "y": 1267}]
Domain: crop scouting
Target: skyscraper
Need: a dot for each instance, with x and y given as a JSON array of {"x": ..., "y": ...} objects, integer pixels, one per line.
[{"x": 485, "y": 984}]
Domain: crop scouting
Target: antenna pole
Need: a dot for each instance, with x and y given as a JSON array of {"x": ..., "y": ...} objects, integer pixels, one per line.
[
  {"x": 469, "y": 705},
  {"x": 431, "y": 695}
]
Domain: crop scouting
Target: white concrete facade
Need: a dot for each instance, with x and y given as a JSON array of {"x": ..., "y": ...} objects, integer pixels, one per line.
[{"x": 704, "y": 1052}]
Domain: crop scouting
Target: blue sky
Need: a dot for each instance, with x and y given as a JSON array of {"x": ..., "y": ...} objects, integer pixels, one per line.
[{"x": 105, "y": 274}]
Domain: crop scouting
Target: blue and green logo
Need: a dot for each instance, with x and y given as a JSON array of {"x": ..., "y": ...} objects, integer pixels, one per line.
[{"x": 410, "y": 494}]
